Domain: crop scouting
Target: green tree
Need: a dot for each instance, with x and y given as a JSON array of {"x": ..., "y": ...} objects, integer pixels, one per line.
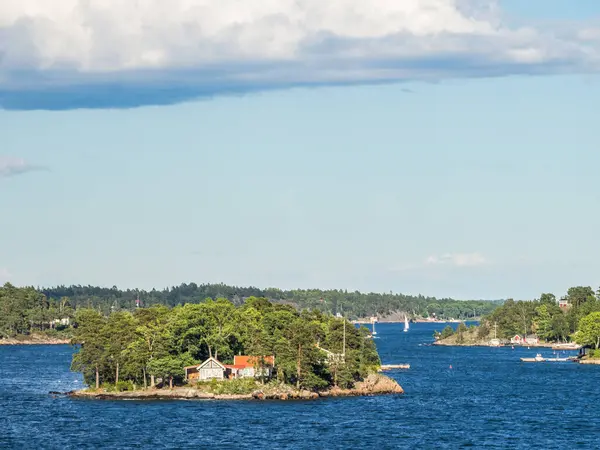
[
  {"x": 447, "y": 332},
  {"x": 543, "y": 322},
  {"x": 170, "y": 367},
  {"x": 589, "y": 330},
  {"x": 90, "y": 335},
  {"x": 579, "y": 295},
  {"x": 460, "y": 333}
]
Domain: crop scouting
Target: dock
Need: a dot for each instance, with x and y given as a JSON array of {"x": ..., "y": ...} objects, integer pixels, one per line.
[{"x": 385, "y": 367}]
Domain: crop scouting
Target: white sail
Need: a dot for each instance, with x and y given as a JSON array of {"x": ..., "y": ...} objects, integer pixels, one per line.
[{"x": 406, "y": 324}]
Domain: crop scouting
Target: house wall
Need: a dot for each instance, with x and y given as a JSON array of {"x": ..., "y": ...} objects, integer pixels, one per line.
[
  {"x": 209, "y": 373},
  {"x": 249, "y": 372}
]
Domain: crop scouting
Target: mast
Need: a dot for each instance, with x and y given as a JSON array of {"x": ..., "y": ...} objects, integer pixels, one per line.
[{"x": 344, "y": 345}]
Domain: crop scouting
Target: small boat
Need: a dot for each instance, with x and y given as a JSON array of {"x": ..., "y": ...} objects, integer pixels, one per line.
[
  {"x": 406, "y": 326},
  {"x": 538, "y": 358},
  {"x": 386, "y": 367}
]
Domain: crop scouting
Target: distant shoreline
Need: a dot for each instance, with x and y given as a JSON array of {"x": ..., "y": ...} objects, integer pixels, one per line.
[
  {"x": 34, "y": 340},
  {"x": 487, "y": 344}
]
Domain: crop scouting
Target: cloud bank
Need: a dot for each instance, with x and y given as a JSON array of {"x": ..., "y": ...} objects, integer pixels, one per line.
[
  {"x": 461, "y": 260},
  {"x": 10, "y": 166},
  {"x": 457, "y": 260},
  {"x": 112, "y": 53}
]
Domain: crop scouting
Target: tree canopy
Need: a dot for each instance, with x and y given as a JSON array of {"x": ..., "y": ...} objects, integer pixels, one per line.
[
  {"x": 158, "y": 342},
  {"x": 545, "y": 318},
  {"x": 28, "y": 310},
  {"x": 352, "y": 304}
]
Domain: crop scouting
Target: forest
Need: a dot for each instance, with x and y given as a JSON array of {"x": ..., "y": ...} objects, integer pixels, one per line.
[
  {"x": 27, "y": 310},
  {"x": 128, "y": 350},
  {"x": 577, "y": 318},
  {"x": 352, "y": 304}
]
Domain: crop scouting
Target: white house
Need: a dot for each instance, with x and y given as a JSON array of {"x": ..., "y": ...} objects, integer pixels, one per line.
[
  {"x": 208, "y": 370},
  {"x": 531, "y": 340},
  {"x": 242, "y": 367}
]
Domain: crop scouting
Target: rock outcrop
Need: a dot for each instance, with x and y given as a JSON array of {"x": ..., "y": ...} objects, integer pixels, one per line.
[
  {"x": 34, "y": 339},
  {"x": 374, "y": 384}
]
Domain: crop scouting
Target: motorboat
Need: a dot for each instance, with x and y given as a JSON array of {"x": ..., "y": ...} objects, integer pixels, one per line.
[{"x": 538, "y": 358}]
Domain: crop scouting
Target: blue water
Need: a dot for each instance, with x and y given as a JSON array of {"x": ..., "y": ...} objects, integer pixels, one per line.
[{"x": 488, "y": 399}]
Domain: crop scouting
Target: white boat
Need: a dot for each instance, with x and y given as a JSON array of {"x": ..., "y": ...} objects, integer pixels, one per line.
[
  {"x": 374, "y": 333},
  {"x": 406, "y": 326},
  {"x": 538, "y": 358}
]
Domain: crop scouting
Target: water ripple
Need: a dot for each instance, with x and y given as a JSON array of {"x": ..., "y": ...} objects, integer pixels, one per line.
[{"x": 487, "y": 399}]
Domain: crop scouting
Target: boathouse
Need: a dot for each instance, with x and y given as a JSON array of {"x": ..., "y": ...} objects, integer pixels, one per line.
[{"x": 516, "y": 339}]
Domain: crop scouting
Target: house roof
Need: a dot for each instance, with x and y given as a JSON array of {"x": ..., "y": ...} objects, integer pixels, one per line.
[
  {"x": 249, "y": 361},
  {"x": 208, "y": 361},
  {"x": 233, "y": 366}
]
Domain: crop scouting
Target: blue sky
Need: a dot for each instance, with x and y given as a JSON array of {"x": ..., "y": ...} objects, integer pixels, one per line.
[{"x": 449, "y": 182}]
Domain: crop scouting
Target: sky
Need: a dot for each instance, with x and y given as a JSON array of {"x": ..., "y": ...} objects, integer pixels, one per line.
[{"x": 439, "y": 147}]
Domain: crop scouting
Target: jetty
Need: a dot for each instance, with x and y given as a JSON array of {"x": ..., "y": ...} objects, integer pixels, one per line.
[
  {"x": 539, "y": 358},
  {"x": 385, "y": 367}
]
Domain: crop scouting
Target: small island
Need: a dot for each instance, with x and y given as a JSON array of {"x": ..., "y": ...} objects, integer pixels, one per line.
[
  {"x": 216, "y": 350},
  {"x": 570, "y": 323}
]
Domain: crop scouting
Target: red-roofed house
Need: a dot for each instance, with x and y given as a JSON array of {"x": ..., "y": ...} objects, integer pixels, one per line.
[
  {"x": 250, "y": 366},
  {"x": 243, "y": 367},
  {"x": 516, "y": 339}
]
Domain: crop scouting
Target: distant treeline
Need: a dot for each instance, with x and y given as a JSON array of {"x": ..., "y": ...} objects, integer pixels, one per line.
[
  {"x": 352, "y": 305},
  {"x": 547, "y": 319},
  {"x": 575, "y": 317},
  {"x": 157, "y": 342},
  {"x": 26, "y": 310}
]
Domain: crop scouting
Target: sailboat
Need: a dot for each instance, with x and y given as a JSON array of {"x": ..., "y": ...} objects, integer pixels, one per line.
[
  {"x": 406, "y": 326},
  {"x": 374, "y": 332}
]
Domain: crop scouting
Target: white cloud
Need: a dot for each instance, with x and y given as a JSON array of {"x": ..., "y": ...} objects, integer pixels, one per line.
[
  {"x": 10, "y": 166},
  {"x": 474, "y": 259},
  {"x": 457, "y": 259},
  {"x": 215, "y": 46}
]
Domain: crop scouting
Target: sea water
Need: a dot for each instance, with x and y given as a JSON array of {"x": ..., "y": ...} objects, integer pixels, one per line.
[{"x": 456, "y": 397}]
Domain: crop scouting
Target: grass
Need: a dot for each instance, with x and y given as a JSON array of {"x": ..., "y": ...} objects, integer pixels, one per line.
[{"x": 236, "y": 386}]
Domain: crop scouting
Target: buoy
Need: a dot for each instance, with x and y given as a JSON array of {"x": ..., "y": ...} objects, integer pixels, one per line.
[{"x": 451, "y": 366}]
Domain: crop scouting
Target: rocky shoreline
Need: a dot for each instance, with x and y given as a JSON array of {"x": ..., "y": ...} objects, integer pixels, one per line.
[
  {"x": 34, "y": 340},
  {"x": 374, "y": 384},
  {"x": 447, "y": 343},
  {"x": 589, "y": 361}
]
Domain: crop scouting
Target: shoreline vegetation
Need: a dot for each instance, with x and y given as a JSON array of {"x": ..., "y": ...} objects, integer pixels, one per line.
[
  {"x": 44, "y": 316},
  {"x": 36, "y": 339},
  {"x": 374, "y": 384},
  {"x": 218, "y": 350},
  {"x": 569, "y": 323}
]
